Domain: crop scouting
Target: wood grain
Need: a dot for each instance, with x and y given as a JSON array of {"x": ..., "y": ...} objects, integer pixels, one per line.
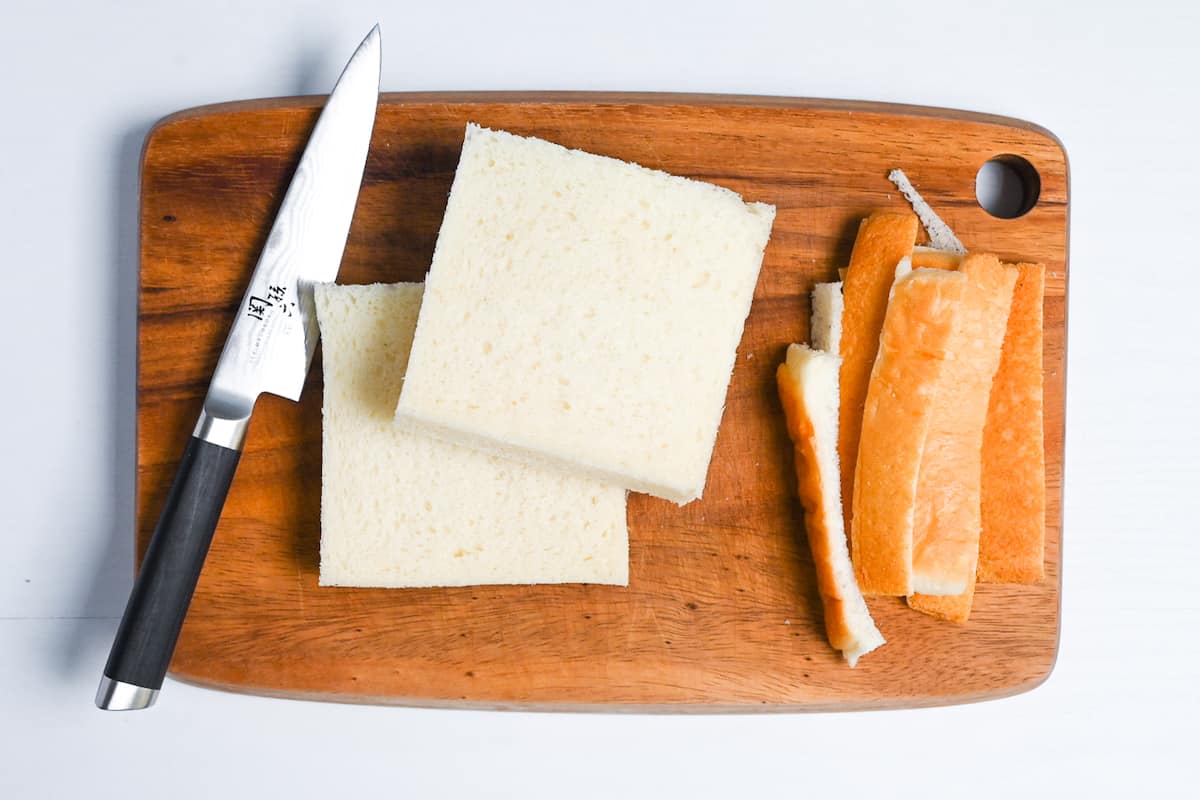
[{"x": 722, "y": 611}]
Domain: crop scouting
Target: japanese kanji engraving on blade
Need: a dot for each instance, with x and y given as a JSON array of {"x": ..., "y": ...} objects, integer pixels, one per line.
[{"x": 271, "y": 343}]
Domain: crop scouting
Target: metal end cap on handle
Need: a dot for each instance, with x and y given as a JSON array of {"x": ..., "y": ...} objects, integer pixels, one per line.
[{"x": 120, "y": 696}]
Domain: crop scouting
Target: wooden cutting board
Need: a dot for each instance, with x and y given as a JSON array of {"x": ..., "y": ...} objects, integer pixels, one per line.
[{"x": 722, "y": 611}]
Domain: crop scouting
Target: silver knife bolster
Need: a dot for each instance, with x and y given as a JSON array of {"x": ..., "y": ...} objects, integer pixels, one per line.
[{"x": 223, "y": 424}]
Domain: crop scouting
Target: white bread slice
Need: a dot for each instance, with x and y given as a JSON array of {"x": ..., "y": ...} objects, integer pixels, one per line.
[
  {"x": 913, "y": 348},
  {"x": 826, "y": 323},
  {"x": 403, "y": 509},
  {"x": 584, "y": 312},
  {"x": 946, "y": 519},
  {"x": 808, "y": 389}
]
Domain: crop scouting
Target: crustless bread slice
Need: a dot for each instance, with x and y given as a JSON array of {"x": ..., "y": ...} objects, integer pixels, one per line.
[
  {"x": 584, "y": 312},
  {"x": 399, "y": 508}
]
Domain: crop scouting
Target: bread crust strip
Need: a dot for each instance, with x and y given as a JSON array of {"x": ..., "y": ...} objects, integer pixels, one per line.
[
  {"x": 1012, "y": 546},
  {"x": 808, "y": 390},
  {"x": 913, "y": 346},
  {"x": 884, "y": 239},
  {"x": 946, "y": 518}
]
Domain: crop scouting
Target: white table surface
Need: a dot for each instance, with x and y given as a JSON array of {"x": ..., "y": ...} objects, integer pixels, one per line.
[{"x": 1116, "y": 81}]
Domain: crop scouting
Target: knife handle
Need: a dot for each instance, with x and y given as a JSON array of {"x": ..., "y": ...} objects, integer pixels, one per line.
[{"x": 163, "y": 590}]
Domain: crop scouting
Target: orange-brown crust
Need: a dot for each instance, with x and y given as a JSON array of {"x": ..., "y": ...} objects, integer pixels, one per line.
[
  {"x": 811, "y": 490},
  {"x": 947, "y": 519},
  {"x": 884, "y": 238},
  {"x": 918, "y": 328},
  {"x": 930, "y": 258},
  {"x": 1012, "y": 544},
  {"x": 951, "y": 607}
]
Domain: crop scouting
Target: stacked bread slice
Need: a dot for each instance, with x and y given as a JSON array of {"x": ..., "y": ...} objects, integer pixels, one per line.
[
  {"x": 400, "y": 508},
  {"x": 574, "y": 340},
  {"x": 584, "y": 313}
]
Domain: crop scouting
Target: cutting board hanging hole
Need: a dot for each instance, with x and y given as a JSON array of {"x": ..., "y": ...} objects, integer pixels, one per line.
[{"x": 1007, "y": 186}]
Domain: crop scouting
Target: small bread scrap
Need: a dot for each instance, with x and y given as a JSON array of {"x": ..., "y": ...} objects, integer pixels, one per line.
[
  {"x": 826, "y": 326},
  {"x": 884, "y": 239},
  {"x": 1013, "y": 543},
  {"x": 950, "y": 607},
  {"x": 913, "y": 347},
  {"x": 808, "y": 389},
  {"x": 939, "y": 232},
  {"x": 947, "y": 519}
]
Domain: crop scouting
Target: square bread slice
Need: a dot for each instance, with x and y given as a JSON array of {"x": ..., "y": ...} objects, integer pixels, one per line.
[
  {"x": 400, "y": 508},
  {"x": 584, "y": 312}
]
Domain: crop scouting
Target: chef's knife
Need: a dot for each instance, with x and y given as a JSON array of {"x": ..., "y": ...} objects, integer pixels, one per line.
[{"x": 269, "y": 349}]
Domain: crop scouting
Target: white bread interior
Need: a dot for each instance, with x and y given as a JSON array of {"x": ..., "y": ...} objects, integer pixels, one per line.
[
  {"x": 584, "y": 312},
  {"x": 400, "y": 508}
]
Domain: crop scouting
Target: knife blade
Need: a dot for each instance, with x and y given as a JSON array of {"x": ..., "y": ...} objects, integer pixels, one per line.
[{"x": 268, "y": 349}]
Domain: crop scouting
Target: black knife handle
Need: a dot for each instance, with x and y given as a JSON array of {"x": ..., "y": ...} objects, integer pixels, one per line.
[{"x": 163, "y": 590}]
